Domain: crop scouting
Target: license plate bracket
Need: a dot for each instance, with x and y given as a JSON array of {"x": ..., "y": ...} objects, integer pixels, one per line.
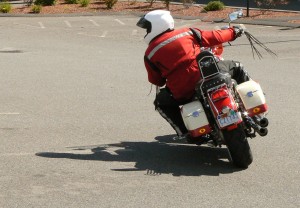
[{"x": 228, "y": 119}]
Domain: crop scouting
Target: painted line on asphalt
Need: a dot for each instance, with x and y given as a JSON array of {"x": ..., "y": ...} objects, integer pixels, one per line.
[
  {"x": 68, "y": 23},
  {"x": 120, "y": 22},
  {"x": 134, "y": 32},
  {"x": 41, "y": 25},
  {"x": 26, "y": 25},
  {"x": 94, "y": 23},
  {"x": 264, "y": 27},
  {"x": 104, "y": 34},
  {"x": 10, "y": 113}
]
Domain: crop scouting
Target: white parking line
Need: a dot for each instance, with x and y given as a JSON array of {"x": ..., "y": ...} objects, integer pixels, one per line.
[
  {"x": 10, "y": 113},
  {"x": 41, "y": 25},
  {"x": 134, "y": 32},
  {"x": 94, "y": 23},
  {"x": 103, "y": 34},
  {"x": 119, "y": 21},
  {"x": 68, "y": 23},
  {"x": 263, "y": 27},
  {"x": 27, "y": 25}
]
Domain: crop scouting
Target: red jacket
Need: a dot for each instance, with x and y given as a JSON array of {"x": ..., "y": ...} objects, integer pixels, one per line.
[{"x": 172, "y": 58}]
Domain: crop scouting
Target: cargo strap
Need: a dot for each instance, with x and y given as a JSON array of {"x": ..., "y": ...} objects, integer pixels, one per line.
[{"x": 197, "y": 35}]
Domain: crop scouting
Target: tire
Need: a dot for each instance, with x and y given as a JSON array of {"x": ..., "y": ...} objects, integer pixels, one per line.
[{"x": 238, "y": 146}]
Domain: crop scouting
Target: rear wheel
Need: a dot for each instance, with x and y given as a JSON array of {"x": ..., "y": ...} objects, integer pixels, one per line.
[{"x": 238, "y": 146}]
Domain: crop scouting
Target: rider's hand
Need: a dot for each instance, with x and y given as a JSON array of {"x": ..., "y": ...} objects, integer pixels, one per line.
[{"x": 238, "y": 30}]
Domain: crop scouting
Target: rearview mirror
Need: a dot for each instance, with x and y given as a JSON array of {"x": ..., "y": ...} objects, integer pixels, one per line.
[{"x": 235, "y": 15}]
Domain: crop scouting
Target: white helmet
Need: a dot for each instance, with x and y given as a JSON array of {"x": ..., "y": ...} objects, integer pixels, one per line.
[{"x": 156, "y": 22}]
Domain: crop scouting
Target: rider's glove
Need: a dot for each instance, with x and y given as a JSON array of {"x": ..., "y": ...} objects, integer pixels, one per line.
[{"x": 238, "y": 31}]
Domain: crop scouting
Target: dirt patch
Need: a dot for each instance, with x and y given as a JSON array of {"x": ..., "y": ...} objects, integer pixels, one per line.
[
  {"x": 143, "y": 7},
  {"x": 295, "y": 21}
]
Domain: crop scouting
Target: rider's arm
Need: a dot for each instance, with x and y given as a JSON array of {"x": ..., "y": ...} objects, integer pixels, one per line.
[
  {"x": 216, "y": 37},
  {"x": 154, "y": 76}
]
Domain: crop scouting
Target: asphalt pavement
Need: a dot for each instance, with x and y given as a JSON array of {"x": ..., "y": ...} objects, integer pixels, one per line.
[{"x": 78, "y": 127}]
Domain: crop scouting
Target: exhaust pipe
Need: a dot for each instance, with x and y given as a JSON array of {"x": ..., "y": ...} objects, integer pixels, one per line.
[
  {"x": 262, "y": 131},
  {"x": 255, "y": 124},
  {"x": 262, "y": 121}
]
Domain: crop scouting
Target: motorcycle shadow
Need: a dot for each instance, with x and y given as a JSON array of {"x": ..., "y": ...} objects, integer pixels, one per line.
[{"x": 163, "y": 156}]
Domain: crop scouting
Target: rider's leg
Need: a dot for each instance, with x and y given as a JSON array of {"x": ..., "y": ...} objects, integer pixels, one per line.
[
  {"x": 169, "y": 109},
  {"x": 235, "y": 69}
]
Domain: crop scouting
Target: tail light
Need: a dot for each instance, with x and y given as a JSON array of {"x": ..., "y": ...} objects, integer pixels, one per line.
[
  {"x": 224, "y": 108},
  {"x": 218, "y": 50},
  {"x": 219, "y": 95}
]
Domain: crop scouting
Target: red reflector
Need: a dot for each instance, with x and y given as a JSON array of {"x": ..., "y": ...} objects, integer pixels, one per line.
[
  {"x": 257, "y": 110},
  {"x": 200, "y": 131},
  {"x": 219, "y": 94}
]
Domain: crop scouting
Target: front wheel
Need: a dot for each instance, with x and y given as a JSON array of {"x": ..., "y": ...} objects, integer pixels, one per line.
[{"x": 238, "y": 146}]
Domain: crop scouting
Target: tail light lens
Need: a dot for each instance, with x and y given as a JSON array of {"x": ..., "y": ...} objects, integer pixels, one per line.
[
  {"x": 219, "y": 94},
  {"x": 218, "y": 50}
]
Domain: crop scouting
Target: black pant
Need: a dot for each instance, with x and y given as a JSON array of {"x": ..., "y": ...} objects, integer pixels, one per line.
[{"x": 169, "y": 109}]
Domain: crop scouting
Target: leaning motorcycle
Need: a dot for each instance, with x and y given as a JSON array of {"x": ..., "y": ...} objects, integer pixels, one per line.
[{"x": 224, "y": 112}]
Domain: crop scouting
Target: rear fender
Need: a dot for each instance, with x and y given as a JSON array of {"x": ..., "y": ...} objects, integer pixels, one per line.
[{"x": 223, "y": 105}]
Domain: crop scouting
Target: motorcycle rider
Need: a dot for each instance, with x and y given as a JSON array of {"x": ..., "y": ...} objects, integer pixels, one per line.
[{"x": 170, "y": 60}]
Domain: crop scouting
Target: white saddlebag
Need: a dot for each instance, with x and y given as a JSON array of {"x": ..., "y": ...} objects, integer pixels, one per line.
[
  {"x": 195, "y": 119},
  {"x": 252, "y": 97}
]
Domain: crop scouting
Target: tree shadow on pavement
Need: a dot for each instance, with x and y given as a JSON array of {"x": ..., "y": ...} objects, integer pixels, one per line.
[{"x": 163, "y": 156}]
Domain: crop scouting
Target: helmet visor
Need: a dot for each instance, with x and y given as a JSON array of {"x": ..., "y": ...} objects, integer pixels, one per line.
[{"x": 145, "y": 24}]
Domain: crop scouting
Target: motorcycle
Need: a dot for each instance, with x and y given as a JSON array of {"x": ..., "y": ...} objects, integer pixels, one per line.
[{"x": 224, "y": 112}]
